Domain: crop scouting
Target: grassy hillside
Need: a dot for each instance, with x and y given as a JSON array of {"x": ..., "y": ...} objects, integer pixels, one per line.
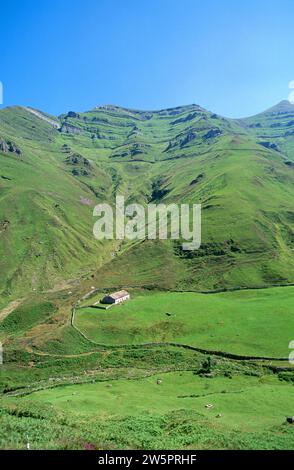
[{"x": 51, "y": 178}]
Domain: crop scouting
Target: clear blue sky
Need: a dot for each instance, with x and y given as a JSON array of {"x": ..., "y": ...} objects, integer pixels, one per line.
[{"x": 235, "y": 58}]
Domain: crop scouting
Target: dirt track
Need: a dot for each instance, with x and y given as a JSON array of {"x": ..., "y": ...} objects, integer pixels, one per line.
[{"x": 10, "y": 307}]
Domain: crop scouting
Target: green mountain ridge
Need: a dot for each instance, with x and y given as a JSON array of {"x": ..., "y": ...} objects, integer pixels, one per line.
[{"x": 54, "y": 170}]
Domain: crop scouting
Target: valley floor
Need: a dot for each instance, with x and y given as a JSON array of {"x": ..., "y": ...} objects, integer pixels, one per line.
[{"x": 115, "y": 391}]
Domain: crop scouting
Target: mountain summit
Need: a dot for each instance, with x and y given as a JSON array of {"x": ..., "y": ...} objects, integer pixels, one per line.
[{"x": 283, "y": 106}]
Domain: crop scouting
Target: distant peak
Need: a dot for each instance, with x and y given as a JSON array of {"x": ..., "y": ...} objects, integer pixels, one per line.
[{"x": 283, "y": 106}]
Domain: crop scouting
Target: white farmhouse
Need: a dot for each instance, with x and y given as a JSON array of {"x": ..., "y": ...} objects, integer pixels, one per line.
[{"x": 116, "y": 297}]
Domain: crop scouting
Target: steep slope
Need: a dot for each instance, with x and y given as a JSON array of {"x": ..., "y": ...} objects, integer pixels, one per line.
[
  {"x": 45, "y": 212},
  {"x": 246, "y": 194},
  {"x": 54, "y": 170}
]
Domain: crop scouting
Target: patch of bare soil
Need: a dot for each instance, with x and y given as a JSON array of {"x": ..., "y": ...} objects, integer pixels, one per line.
[{"x": 10, "y": 307}]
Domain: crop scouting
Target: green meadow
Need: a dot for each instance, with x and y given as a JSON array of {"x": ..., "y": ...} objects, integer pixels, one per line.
[
  {"x": 162, "y": 411},
  {"x": 245, "y": 403},
  {"x": 250, "y": 322}
]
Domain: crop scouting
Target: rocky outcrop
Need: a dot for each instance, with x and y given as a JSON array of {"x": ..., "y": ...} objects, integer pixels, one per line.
[
  {"x": 187, "y": 118},
  {"x": 255, "y": 125},
  {"x": 289, "y": 163},
  {"x": 81, "y": 165},
  {"x": 3, "y": 146},
  {"x": 269, "y": 145},
  {"x": 70, "y": 129},
  {"x": 4, "y": 224},
  {"x": 188, "y": 138},
  {"x": 73, "y": 114},
  {"x": 289, "y": 133},
  {"x": 66, "y": 148},
  {"x": 77, "y": 159},
  {"x": 181, "y": 140},
  {"x": 7, "y": 146},
  {"x": 13, "y": 148},
  {"x": 80, "y": 172},
  {"x": 52, "y": 121},
  {"x": 135, "y": 149},
  {"x": 197, "y": 179},
  {"x": 211, "y": 134}
]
